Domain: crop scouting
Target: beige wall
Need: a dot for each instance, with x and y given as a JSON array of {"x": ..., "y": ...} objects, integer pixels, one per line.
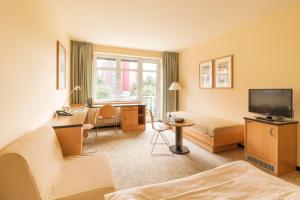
[
  {"x": 127, "y": 51},
  {"x": 266, "y": 55},
  {"x": 28, "y": 35}
]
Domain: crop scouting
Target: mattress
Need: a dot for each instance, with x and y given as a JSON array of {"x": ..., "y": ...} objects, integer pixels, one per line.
[
  {"x": 209, "y": 125},
  {"x": 236, "y": 180}
]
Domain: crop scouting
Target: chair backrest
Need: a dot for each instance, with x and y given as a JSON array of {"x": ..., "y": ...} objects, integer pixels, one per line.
[
  {"x": 29, "y": 165},
  {"x": 152, "y": 119},
  {"x": 107, "y": 111}
]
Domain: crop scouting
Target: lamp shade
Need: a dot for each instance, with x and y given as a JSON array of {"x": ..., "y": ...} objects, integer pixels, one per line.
[
  {"x": 77, "y": 87},
  {"x": 175, "y": 86}
]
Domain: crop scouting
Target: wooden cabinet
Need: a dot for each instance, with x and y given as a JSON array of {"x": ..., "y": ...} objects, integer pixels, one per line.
[
  {"x": 69, "y": 131},
  {"x": 271, "y": 146},
  {"x": 129, "y": 118},
  {"x": 133, "y": 118}
]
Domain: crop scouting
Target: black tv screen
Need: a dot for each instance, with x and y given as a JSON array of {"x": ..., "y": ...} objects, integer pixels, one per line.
[{"x": 277, "y": 102}]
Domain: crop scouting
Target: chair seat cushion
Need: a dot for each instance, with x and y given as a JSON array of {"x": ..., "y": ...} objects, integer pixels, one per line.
[
  {"x": 161, "y": 126},
  {"x": 83, "y": 178},
  {"x": 87, "y": 126}
]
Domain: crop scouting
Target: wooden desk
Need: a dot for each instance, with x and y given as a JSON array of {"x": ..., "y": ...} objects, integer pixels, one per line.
[
  {"x": 132, "y": 115},
  {"x": 68, "y": 131},
  {"x": 69, "y": 128}
]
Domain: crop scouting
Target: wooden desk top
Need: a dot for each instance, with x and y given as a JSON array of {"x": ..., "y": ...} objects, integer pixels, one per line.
[
  {"x": 185, "y": 123},
  {"x": 76, "y": 120},
  {"x": 119, "y": 105}
]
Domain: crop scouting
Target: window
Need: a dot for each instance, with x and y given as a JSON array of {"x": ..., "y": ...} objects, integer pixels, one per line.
[
  {"x": 150, "y": 86},
  {"x": 118, "y": 78},
  {"x": 129, "y": 79},
  {"x": 106, "y": 79}
]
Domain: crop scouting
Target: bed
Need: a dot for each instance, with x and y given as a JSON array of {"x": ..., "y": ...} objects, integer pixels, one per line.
[
  {"x": 236, "y": 180},
  {"x": 212, "y": 133}
]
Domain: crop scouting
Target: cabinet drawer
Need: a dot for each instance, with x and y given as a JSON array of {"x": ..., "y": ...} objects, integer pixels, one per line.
[
  {"x": 265, "y": 129},
  {"x": 130, "y": 108}
]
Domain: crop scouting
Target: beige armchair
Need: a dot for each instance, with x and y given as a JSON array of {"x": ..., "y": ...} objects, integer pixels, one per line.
[{"x": 33, "y": 168}]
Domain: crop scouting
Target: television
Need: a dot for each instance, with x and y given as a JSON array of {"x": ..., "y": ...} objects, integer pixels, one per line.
[{"x": 271, "y": 102}]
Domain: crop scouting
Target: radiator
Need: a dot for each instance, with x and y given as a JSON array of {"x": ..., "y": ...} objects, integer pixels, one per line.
[{"x": 268, "y": 166}]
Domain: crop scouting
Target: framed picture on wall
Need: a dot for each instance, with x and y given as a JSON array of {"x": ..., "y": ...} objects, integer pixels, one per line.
[
  {"x": 223, "y": 72},
  {"x": 206, "y": 74},
  {"x": 60, "y": 67}
]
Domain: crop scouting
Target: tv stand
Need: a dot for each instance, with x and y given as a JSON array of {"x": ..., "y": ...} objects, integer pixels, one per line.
[{"x": 272, "y": 146}]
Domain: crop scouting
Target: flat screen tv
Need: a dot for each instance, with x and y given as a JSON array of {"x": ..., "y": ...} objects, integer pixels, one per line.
[{"x": 271, "y": 102}]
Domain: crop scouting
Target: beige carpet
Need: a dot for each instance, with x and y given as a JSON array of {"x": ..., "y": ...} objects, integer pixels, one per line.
[{"x": 133, "y": 165}]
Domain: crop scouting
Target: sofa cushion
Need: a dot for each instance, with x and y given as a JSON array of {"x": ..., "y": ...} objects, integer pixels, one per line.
[
  {"x": 32, "y": 167},
  {"x": 40, "y": 153},
  {"x": 89, "y": 177}
]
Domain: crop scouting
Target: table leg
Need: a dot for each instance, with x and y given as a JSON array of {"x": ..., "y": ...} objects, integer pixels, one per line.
[{"x": 178, "y": 148}]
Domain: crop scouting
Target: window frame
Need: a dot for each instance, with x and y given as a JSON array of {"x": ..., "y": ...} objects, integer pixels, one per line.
[{"x": 140, "y": 61}]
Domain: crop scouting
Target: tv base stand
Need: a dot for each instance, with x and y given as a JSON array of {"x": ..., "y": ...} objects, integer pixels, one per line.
[{"x": 272, "y": 146}]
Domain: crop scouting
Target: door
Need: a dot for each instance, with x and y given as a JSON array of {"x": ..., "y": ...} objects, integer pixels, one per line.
[
  {"x": 151, "y": 86},
  {"x": 261, "y": 141}
]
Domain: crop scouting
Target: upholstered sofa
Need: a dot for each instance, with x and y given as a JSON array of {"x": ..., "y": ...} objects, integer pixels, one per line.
[
  {"x": 212, "y": 133},
  {"x": 33, "y": 168}
]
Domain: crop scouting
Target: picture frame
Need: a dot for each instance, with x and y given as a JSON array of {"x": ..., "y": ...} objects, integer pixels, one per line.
[
  {"x": 61, "y": 67},
  {"x": 223, "y": 68},
  {"x": 206, "y": 74}
]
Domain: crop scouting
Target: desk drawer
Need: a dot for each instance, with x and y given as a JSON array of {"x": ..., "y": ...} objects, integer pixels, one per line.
[{"x": 130, "y": 108}]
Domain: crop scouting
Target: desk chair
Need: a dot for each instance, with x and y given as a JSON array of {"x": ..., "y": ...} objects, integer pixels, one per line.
[
  {"x": 85, "y": 129},
  {"x": 159, "y": 129},
  {"x": 107, "y": 112}
]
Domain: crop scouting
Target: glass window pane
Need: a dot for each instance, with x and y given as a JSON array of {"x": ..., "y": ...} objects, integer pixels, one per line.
[
  {"x": 129, "y": 64},
  {"x": 149, "y": 91},
  {"x": 106, "y": 84},
  {"x": 149, "y": 66},
  {"x": 128, "y": 85},
  {"x": 106, "y": 63}
]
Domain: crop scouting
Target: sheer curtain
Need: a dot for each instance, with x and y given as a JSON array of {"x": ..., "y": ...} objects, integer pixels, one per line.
[
  {"x": 170, "y": 74},
  {"x": 81, "y": 71}
]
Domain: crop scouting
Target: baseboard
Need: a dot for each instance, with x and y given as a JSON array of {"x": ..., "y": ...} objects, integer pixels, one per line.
[{"x": 298, "y": 168}]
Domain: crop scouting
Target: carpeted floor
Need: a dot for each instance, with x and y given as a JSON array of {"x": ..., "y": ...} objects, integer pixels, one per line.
[{"x": 133, "y": 165}]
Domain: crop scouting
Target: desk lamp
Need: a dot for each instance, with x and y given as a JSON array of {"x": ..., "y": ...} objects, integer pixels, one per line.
[{"x": 65, "y": 110}]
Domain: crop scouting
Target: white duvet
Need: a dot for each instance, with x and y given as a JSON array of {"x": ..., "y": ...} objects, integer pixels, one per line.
[{"x": 236, "y": 180}]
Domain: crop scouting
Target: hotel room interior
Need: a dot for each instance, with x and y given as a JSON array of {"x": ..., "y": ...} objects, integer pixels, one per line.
[{"x": 149, "y": 99}]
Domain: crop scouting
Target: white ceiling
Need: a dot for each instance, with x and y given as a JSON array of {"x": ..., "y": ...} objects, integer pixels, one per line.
[{"x": 157, "y": 24}]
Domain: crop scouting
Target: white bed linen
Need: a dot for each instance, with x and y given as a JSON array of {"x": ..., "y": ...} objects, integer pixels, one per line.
[{"x": 236, "y": 180}]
